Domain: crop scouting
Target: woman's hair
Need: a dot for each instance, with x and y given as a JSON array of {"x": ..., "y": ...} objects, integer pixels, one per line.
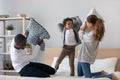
[
  {"x": 67, "y": 19},
  {"x": 99, "y": 26}
]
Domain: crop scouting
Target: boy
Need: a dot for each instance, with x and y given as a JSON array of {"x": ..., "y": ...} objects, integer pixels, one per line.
[
  {"x": 70, "y": 40},
  {"x": 22, "y": 62}
]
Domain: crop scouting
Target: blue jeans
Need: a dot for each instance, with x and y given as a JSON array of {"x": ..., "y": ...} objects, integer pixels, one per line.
[
  {"x": 83, "y": 69},
  {"x": 37, "y": 70}
]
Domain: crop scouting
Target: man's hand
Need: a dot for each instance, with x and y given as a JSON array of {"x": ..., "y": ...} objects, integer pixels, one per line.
[
  {"x": 39, "y": 41},
  {"x": 26, "y": 34}
]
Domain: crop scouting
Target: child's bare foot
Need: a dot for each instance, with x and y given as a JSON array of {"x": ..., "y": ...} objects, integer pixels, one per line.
[
  {"x": 104, "y": 72},
  {"x": 114, "y": 77}
]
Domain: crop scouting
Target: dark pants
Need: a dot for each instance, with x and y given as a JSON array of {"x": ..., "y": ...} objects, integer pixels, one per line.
[
  {"x": 37, "y": 70},
  {"x": 83, "y": 69},
  {"x": 70, "y": 51}
]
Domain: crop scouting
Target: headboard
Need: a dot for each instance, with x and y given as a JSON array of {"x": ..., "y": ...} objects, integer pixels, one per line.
[{"x": 50, "y": 53}]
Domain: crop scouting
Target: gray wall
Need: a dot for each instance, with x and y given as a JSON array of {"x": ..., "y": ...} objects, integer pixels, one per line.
[{"x": 51, "y": 12}]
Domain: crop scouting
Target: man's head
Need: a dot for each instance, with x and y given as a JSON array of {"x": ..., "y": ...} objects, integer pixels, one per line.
[{"x": 20, "y": 41}]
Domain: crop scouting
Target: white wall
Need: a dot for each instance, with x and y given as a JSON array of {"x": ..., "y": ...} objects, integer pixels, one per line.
[{"x": 51, "y": 12}]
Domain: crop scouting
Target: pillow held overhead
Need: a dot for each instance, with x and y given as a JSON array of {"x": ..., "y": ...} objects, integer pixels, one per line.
[
  {"x": 76, "y": 21},
  {"x": 94, "y": 12},
  {"x": 36, "y": 31}
]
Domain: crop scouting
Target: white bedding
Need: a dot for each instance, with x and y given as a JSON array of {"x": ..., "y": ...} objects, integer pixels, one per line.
[
  {"x": 62, "y": 74},
  {"x": 57, "y": 76},
  {"x": 4, "y": 77}
]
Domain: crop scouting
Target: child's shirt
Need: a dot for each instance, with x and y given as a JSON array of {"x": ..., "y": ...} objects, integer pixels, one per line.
[
  {"x": 20, "y": 58},
  {"x": 89, "y": 47},
  {"x": 70, "y": 37}
]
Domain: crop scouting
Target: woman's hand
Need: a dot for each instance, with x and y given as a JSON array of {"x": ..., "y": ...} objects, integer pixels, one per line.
[{"x": 84, "y": 26}]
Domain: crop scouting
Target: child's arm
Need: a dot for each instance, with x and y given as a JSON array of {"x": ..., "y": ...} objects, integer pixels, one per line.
[{"x": 60, "y": 27}]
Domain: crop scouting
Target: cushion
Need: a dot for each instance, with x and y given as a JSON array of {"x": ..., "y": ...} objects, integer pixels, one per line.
[
  {"x": 76, "y": 21},
  {"x": 107, "y": 64},
  {"x": 94, "y": 12},
  {"x": 36, "y": 31}
]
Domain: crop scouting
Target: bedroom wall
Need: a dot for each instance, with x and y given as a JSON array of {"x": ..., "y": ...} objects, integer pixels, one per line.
[{"x": 51, "y": 12}]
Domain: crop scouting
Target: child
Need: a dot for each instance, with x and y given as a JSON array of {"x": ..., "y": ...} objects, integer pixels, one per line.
[
  {"x": 89, "y": 47},
  {"x": 70, "y": 39},
  {"x": 22, "y": 62}
]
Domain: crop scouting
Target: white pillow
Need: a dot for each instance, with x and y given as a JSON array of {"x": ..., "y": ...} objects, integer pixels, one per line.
[
  {"x": 94, "y": 12},
  {"x": 107, "y": 64}
]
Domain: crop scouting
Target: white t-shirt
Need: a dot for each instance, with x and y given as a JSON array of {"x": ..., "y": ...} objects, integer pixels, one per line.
[
  {"x": 20, "y": 58},
  {"x": 70, "y": 37}
]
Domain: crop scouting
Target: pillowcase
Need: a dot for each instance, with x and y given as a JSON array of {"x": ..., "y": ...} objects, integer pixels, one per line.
[
  {"x": 107, "y": 64},
  {"x": 94, "y": 12},
  {"x": 36, "y": 31},
  {"x": 76, "y": 21}
]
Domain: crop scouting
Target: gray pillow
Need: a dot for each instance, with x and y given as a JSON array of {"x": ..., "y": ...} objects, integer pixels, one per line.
[
  {"x": 76, "y": 21},
  {"x": 36, "y": 31}
]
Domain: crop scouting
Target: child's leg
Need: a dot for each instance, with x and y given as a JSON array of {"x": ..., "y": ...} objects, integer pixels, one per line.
[
  {"x": 43, "y": 67},
  {"x": 71, "y": 62},
  {"x": 61, "y": 57}
]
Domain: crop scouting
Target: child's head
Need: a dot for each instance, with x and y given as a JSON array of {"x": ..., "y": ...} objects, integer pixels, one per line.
[
  {"x": 93, "y": 22},
  {"x": 20, "y": 41},
  {"x": 68, "y": 23}
]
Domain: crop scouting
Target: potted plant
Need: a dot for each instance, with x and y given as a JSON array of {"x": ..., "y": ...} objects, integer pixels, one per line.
[
  {"x": 9, "y": 28},
  {"x": 28, "y": 48}
]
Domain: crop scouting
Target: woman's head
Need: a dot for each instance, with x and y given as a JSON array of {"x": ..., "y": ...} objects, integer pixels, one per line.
[
  {"x": 96, "y": 24},
  {"x": 68, "y": 23},
  {"x": 20, "y": 41}
]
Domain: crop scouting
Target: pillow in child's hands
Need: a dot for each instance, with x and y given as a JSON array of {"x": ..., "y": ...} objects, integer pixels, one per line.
[
  {"x": 107, "y": 64},
  {"x": 36, "y": 31},
  {"x": 76, "y": 21}
]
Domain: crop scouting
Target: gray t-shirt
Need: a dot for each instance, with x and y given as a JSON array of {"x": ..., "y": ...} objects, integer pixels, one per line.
[{"x": 89, "y": 47}]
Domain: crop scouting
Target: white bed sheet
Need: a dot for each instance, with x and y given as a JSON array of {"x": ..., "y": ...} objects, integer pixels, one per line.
[{"x": 5, "y": 77}]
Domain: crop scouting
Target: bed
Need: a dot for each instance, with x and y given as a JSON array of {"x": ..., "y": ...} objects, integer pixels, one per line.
[{"x": 52, "y": 53}]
